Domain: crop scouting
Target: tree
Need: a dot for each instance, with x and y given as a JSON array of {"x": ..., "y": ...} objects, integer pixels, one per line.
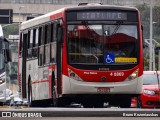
[
  {"x": 11, "y": 30},
  {"x": 145, "y": 18}
]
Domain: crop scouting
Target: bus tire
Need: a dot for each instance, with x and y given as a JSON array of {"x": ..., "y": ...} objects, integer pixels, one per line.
[
  {"x": 93, "y": 104},
  {"x": 125, "y": 103},
  {"x": 87, "y": 104},
  {"x": 1, "y": 103},
  {"x": 62, "y": 102},
  {"x": 30, "y": 104},
  {"x": 99, "y": 104},
  {"x": 139, "y": 102}
]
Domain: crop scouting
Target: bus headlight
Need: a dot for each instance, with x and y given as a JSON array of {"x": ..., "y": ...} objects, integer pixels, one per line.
[
  {"x": 133, "y": 75},
  {"x": 2, "y": 80},
  {"x": 74, "y": 75}
]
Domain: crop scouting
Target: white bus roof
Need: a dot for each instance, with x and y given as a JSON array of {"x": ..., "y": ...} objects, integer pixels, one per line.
[
  {"x": 46, "y": 17},
  {"x": 38, "y": 20}
]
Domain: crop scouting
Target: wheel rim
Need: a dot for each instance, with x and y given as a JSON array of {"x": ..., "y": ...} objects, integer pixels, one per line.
[{"x": 30, "y": 97}]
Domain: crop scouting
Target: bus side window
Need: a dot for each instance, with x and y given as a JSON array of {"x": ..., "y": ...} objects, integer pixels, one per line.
[
  {"x": 41, "y": 46},
  {"x": 35, "y": 43},
  {"x": 53, "y": 52},
  {"x": 30, "y": 44},
  {"x": 39, "y": 43},
  {"x": 47, "y": 33},
  {"x": 47, "y": 43},
  {"x": 53, "y": 43},
  {"x": 52, "y": 32},
  {"x": 55, "y": 31}
]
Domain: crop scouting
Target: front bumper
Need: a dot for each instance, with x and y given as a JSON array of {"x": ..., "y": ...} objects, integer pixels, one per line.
[
  {"x": 149, "y": 101},
  {"x": 71, "y": 86}
]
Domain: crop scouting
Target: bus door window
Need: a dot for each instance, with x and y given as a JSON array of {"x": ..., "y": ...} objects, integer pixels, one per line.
[
  {"x": 47, "y": 43},
  {"x": 30, "y": 43},
  {"x": 41, "y": 46},
  {"x": 35, "y": 43}
]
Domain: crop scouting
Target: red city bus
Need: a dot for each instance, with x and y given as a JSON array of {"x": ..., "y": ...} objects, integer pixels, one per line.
[{"x": 87, "y": 54}]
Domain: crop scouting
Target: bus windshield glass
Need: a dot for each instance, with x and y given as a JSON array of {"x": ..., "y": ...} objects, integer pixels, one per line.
[{"x": 102, "y": 43}]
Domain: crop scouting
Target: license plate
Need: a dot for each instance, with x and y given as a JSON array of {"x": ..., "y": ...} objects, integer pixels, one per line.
[{"x": 103, "y": 90}]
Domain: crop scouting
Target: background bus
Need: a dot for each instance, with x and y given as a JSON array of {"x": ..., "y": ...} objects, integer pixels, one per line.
[
  {"x": 85, "y": 54},
  {"x": 4, "y": 58}
]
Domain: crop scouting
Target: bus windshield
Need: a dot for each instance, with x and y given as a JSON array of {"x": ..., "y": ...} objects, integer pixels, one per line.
[{"x": 102, "y": 44}]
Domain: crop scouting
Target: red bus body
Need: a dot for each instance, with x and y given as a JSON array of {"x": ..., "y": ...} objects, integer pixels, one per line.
[{"x": 90, "y": 79}]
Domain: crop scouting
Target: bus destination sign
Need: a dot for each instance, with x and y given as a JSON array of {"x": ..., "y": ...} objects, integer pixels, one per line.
[{"x": 101, "y": 16}]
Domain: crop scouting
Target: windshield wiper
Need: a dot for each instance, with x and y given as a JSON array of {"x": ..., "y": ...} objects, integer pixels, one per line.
[
  {"x": 119, "y": 23},
  {"x": 85, "y": 23}
]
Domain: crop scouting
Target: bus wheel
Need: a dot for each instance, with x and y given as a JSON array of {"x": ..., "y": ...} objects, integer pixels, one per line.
[
  {"x": 87, "y": 104},
  {"x": 62, "y": 102},
  {"x": 92, "y": 103},
  {"x": 1, "y": 103},
  {"x": 99, "y": 105},
  {"x": 139, "y": 102},
  {"x": 125, "y": 103},
  {"x": 29, "y": 94}
]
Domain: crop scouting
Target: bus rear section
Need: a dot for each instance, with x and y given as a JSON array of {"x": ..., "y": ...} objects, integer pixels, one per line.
[
  {"x": 104, "y": 55},
  {"x": 4, "y": 58}
]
